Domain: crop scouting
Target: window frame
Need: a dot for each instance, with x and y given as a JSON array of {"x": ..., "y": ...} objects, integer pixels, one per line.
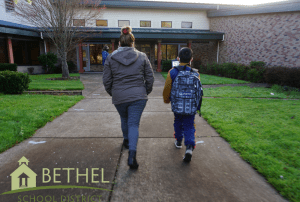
[
  {"x": 123, "y": 25},
  {"x": 79, "y": 25},
  {"x": 166, "y": 27},
  {"x": 9, "y": 6},
  {"x": 102, "y": 25},
  {"x": 25, "y": 59},
  {"x": 187, "y": 27},
  {"x": 145, "y": 21}
]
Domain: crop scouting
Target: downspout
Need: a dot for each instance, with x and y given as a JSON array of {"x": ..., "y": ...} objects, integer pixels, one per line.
[
  {"x": 218, "y": 51},
  {"x": 44, "y": 43}
]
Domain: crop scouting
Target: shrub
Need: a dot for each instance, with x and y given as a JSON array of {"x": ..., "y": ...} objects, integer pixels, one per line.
[
  {"x": 216, "y": 69},
  {"x": 257, "y": 64},
  {"x": 283, "y": 76},
  {"x": 230, "y": 70},
  {"x": 48, "y": 62},
  {"x": 166, "y": 65},
  {"x": 253, "y": 75},
  {"x": 7, "y": 66},
  {"x": 71, "y": 66},
  {"x": 13, "y": 82},
  {"x": 202, "y": 69},
  {"x": 242, "y": 71},
  {"x": 294, "y": 79}
]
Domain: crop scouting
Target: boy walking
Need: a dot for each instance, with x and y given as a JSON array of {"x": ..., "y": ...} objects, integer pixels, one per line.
[{"x": 184, "y": 90}]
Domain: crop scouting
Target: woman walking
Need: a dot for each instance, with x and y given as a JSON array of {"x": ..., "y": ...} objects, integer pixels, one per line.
[{"x": 128, "y": 78}]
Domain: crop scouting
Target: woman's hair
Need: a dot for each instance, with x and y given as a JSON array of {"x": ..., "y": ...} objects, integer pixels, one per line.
[{"x": 126, "y": 38}]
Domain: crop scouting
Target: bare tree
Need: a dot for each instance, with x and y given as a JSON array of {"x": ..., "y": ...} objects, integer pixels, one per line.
[{"x": 63, "y": 21}]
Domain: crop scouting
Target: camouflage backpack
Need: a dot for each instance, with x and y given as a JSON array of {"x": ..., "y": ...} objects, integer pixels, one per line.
[{"x": 186, "y": 92}]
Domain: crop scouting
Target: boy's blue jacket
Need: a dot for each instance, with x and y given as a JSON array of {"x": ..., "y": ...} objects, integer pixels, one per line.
[{"x": 170, "y": 79}]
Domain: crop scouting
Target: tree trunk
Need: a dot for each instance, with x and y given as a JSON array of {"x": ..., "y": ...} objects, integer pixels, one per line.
[{"x": 64, "y": 66}]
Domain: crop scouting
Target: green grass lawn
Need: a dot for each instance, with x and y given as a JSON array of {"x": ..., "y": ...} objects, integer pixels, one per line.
[
  {"x": 247, "y": 92},
  {"x": 265, "y": 133},
  {"x": 210, "y": 80},
  {"x": 22, "y": 115},
  {"x": 39, "y": 82}
]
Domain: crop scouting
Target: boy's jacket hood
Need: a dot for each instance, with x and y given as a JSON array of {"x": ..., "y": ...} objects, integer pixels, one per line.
[
  {"x": 181, "y": 68},
  {"x": 125, "y": 55}
]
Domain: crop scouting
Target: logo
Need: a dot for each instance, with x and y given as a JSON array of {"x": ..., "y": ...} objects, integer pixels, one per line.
[{"x": 23, "y": 177}]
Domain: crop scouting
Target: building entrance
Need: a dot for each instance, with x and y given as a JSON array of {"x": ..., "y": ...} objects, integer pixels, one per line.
[{"x": 92, "y": 56}]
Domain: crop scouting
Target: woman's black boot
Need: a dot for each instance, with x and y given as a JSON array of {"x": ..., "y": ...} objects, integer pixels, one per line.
[
  {"x": 132, "y": 163},
  {"x": 126, "y": 143}
]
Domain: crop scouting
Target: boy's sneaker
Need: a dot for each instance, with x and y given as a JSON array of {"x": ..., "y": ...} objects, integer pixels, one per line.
[
  {"x": 178, "y": 144},
  {"x": 188, "y": 153}
]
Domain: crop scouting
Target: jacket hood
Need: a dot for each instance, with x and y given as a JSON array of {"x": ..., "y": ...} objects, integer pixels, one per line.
[
  {"x": 125, "y": 55},
  {"x": 181, "y": 68}
]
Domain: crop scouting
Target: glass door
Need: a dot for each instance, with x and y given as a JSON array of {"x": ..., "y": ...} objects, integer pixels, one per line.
[
  {"x": 145, "y": 48},
  {"x": 85, "y": 57}
]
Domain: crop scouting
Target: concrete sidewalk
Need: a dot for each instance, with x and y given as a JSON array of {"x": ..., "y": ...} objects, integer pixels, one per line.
[{"x": 89, "y": 136}]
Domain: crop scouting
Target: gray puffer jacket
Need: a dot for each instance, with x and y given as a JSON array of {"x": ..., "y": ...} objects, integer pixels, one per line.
[{"x": 127, "y": 75}]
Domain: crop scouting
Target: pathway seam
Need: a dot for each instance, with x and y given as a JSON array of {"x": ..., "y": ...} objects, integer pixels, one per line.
[
  {"x": 115, "y": 177},
  {"x": 253, "y": 98}
]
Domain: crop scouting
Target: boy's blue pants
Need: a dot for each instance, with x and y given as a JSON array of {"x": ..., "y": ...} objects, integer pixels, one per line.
[{"x": 184, "y": 125}]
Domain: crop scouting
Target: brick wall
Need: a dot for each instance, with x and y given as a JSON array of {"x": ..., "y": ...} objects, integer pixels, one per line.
[
  {"x": 272, "y": 38},
  {"x": 204, "y": 53}
]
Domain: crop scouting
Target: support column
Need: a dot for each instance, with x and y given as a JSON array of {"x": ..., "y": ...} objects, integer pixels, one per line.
[
  {"x": 159, "y": 56},
  {"x": 81, "y": 70},
  {"x": 113, "y": 45},
  {"x": 48, "y": 47},
  {"x": 190, "y": 44},
  {"x": 10, "y": 51}
]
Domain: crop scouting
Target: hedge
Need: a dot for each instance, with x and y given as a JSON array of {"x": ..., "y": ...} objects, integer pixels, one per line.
[
  {"x": 8, "y": 66},
  {"x": 256, "y": 72},
  {"x": 166, "y": 65},
  {"x": 284, "y": 76},
  {"x": 13, "y": 82}
]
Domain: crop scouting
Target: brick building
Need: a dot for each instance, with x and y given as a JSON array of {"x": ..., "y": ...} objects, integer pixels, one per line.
[{"x": 216, "y": 33}]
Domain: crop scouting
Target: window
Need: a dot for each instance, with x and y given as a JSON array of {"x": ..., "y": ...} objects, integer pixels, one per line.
[
  {"x": 166, "y": 24},
  {"x": 168, "y": 52},
  {"x": 122, "y": 23},
  {"x": 101, "y": 23},
  {"x": 145, "y": 23},
  {"x": 145, "y": 48},
  {"x": 186, "y": 24},
  {"x": 79, "y": 22},
  {"x": 9, "y": 5},
  {"x": 26, "y": 52},
  {"x": 3, "y": 51}
]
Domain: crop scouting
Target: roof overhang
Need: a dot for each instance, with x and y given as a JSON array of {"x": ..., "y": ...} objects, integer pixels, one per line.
[
  {"x": 157, "y": 34},
  {"x": 157, "y": 5},
  {"x": 276, "y": 7},
  {"x": 18, "y": 29}
]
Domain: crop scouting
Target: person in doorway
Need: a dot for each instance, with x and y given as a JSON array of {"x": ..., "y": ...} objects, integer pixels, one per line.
[
  {"x": 128, "y": 77},
  {"x": 184, "y": 108},
  {"x": 104, "y": 54}
]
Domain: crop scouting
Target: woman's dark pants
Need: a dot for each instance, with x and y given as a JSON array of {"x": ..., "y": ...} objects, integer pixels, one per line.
[{"x": 130, "y": 113}]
